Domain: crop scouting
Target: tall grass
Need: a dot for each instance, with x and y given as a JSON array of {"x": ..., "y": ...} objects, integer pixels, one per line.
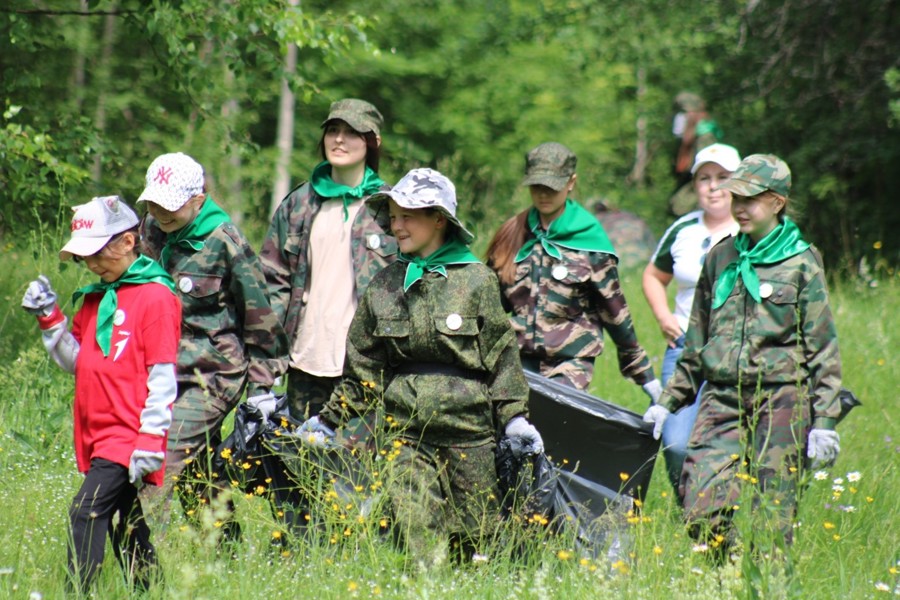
[{"x": 847, "y": 536}]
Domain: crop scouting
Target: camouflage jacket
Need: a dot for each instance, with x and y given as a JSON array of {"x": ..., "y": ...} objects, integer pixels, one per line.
[
  {"x": 561, "y": 307},
  {"x": 787, "y": 338},
  {"x": 230, "y": 338},
  {"x": 453, "y": 324},
  {"x": 285, "y": 254}
]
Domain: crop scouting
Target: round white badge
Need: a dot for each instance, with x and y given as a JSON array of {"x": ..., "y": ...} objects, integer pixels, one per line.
[
  {"x": 185, "y": 284},
  {"x": 119, "y": 317},
  {"x": 765, "y": 290},
  {"x": 374, "y": 241},
  {"x": 454, "y": 321},
  {"x": 559, "y": 272}
]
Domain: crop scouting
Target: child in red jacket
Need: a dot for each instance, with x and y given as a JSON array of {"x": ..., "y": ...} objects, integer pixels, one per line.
[{"x": 122, "y": 350}]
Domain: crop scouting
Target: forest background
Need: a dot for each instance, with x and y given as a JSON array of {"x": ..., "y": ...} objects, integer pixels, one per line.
[{"x": 93, "y": 90}]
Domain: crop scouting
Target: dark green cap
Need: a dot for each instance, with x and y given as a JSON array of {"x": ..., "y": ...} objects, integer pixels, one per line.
[
  {"x": 549, "y": 164},
  {"x": 358, "y": 114},
  {"x": 758, "y": 173}
]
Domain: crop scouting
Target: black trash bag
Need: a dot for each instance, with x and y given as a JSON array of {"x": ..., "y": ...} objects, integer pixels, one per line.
[
  {"x": 595, "y": 514},
  {"x": 848, "y": 402},
  {"x": 250, "y": 458},
  {"x": 593, "y": 438}
]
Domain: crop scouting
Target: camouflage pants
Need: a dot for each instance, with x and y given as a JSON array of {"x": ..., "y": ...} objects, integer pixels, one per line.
[
  {"x": 307, "y": 394},
  {"x": 746, "y": 443},
  {"x": 195, "y": 432},
  {"x": 574, "y": 372},
  {"x": 442, "y": 493}
]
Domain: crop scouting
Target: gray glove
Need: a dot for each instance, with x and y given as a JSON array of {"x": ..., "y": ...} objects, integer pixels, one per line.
[
  {"x": 317, "y": 434},
  {"x": 657, "y": 415},
  {"x": 653, "y": 389},
  {"x": 824, "y": 447},
  {"x": 265, "y": 403},
  {"x": 39, "y": 298},
  {"x": 524, "y": 437},
  {"x": 144, "y": 462}
]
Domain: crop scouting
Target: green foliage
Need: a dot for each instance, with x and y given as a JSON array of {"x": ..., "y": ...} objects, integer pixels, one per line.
[
  {"x": 35, "y": 173},
  {"x": 467, "y": 87}
]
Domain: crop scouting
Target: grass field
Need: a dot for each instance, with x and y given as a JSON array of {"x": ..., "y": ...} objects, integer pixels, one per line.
[{"x": 847, "y": 536}]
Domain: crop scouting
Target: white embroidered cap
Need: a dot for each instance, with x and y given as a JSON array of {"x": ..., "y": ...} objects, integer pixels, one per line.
[{"x": 172, "y": 180}]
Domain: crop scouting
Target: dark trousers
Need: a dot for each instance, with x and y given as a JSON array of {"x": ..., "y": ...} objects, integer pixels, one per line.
[
  {"x": 105, "y": 492},
  {"x": 307, "y": 394}
]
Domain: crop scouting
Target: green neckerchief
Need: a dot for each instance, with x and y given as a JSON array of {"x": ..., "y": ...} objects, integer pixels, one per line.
[
  {"x": 708, "y": 126},
  {"x": 453, "y": 252},
  {"x": 142, "y": 270},
  {"x": 325, "y": 186},
  {"x": 779, "y": 244},
  {"x": 194, "y": 234},
  {"x": 575, "y": 229}
]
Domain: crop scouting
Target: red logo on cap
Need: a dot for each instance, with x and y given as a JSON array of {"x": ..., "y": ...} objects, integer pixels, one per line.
[
  {"x": 162, "y": 175},
  {"x": 82, "y": 224}
]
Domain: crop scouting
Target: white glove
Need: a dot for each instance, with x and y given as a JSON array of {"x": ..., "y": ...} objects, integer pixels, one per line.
[
  {"x": 264, "y": 403},
  {"x": 653, "y": 389},
  {"x": 657, "y": 415},
  {"x": 823, "y": 448},
  {"x": 317, "y": 434},
  {"x": 523, "y": 437},
  {"x": 144, "y": 462},
  {"x": 39, "y": 298}
]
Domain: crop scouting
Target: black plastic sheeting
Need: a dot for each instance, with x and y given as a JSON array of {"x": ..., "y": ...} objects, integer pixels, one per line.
[
  {"x": 598, "y": 458},
  {"x": 591, "y": 439}
]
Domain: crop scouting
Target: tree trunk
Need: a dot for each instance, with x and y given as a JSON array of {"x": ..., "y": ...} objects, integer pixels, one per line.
[
  {"x": 78, "y": 71},
  {"x": 285, "y": 135},
  {"x": 638, "y": 175},
  {"x": 104, "y": 68},
  {"x": 230, "y": 111}
]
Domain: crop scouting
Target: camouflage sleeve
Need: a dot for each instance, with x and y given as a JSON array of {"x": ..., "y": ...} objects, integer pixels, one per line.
[
  {"x": 262, "y": 333},
  {"x": 275, "y": 263},
  {"x": 683, "y": 386},
  {"x": 820, "y": 347},
  {"x": 609, "y": 301},
  {"x": 507, "y": 386},
  {"x": 366, "y": 370}
]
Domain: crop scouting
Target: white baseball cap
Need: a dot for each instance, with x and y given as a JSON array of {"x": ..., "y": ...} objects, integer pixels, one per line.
[
  {"x": 172, "y": 180},
  {"x": 723, "y": 155},
  {"x": 95, "y": 223}
]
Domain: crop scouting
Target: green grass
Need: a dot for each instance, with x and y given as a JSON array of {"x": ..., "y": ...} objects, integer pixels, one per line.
[{"x": 836, "y": 554}]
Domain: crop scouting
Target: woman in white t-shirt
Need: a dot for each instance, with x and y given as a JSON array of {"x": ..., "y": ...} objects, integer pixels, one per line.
[{"x": 679, "y": 258}]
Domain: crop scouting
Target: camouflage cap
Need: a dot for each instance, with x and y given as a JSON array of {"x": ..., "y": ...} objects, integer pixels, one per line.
[
  {"x": 549, "y": 164},
  {"x": 758, "y": 173},
  {"x": 420, "y": 188},
  {"x": 358, "y": 114}
]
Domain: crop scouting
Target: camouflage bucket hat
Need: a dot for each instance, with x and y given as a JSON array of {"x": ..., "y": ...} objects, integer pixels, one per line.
[
  {"x": 758, "y": 173},
  {"x": 358, "y": 114},
  {"x": 420, "y": 188},
  {"x": 549, "y": 164}
]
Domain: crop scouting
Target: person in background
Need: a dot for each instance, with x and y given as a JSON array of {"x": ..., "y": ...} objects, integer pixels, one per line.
[
  {"x": 122, "y": 350},
  {"x": 763, "y": 338},
  {"x": 231, "y": 340},
  {"x": 432, "y": 336},
  {"x": 558, "y": 276},
  {"x": 695, "y": 129},
  {"x": 679, "y": 258},
  {"x": 323, "y": 248}
]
